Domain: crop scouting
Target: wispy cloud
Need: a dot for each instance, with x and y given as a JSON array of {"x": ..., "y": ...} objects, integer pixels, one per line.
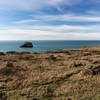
[
  {"x": 93, "y": 12},
  {"x": 58, "y": 32},
  {"x": 22, "y": 34},
  {"x": 57, "y": 28},
  {"x": 25, "y": 21},
  {"x": 69, "y": 18}
]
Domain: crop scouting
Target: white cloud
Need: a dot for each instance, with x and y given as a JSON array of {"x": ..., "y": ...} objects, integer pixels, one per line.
[
  {"x": 25, "y": 21},
  {"x": 50, "y": 33},
  {"x": 81, "y": 36},
  {"x": 25, "y": 34},
  {"x": 57, "y": 28},
  {"x": 22, "y": 34},
  {"x": 93, "y": 12},
  {"x": 26, "y": 31},
  {"x": 69, "y": 18}
]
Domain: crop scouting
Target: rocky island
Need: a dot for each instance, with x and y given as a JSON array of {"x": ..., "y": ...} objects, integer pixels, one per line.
[
  {"x": 56, "y": 75},
  {"x": 27, "y": 45}
]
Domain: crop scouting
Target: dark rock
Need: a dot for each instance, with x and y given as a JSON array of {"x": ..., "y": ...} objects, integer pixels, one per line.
[
  {"x": 27, "y": 45},
  {"x": 76, "y": 64}
]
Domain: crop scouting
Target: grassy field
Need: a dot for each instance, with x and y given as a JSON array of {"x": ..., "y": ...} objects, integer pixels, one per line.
[{"x": 56, "y": 75}]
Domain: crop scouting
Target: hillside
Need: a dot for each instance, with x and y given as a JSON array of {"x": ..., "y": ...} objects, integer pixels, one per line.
[{"x": 56, "y": 75}]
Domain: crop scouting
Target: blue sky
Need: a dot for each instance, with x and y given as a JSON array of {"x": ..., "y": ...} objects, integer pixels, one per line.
[{"x": 49, "y": 20}]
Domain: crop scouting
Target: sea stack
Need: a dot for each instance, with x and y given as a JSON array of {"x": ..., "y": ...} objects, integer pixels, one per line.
[{"x": 27, "y": 45}]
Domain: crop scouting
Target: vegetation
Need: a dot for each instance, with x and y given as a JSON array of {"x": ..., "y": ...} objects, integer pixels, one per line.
[{"x": 55, "y": 75}]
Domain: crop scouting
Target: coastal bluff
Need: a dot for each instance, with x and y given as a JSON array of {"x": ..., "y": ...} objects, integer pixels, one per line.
[{"x": 54, "y": 75}]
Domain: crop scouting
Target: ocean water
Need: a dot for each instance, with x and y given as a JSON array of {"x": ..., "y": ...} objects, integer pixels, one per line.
[{"x": 44, "y": 45}]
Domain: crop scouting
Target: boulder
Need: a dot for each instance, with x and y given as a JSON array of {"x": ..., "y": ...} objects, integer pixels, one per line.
[{"x": 27, "y": 45}]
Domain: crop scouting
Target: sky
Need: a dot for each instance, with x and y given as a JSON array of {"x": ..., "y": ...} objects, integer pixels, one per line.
[{"x": 49, "y": 19}]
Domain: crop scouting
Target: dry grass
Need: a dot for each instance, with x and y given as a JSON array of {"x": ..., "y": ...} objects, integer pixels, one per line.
[{"x": 58, "y": 75}]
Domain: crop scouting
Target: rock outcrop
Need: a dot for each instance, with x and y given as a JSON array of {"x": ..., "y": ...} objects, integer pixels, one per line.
[{"x": 27, "y": 45}]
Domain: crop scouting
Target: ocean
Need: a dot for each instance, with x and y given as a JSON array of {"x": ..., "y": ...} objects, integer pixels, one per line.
[{"x": 41, "y": 46}]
